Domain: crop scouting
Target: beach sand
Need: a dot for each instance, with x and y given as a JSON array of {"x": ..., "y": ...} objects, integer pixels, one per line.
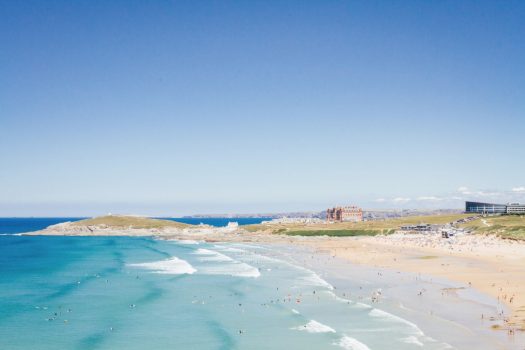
[
  {"x": 487, "y": 264},
  {"x": 442, "y": 309}
]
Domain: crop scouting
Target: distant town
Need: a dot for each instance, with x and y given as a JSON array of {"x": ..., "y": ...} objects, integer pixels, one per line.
[
  {"x": 353, "y": 213},
  {"x": 367, "y": 214}
]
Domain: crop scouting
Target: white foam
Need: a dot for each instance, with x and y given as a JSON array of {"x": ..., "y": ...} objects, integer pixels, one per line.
[
  {"x": 349, "y": 343},
  {"x": 202, "y": 251},
  {"x": 315, "y": 327},
  {"x": 357, "y": 305},
  {"x": 174, "y": 266},
  {"x": 185, "y": 241},
  {"x": 226, "y": 266},
  {"x": 315, "y": 280},
  {"x": 211, "y": 255},
  {"x": 412, "y": 340},
  {"x": 388, "y": 316},
  {"x": 295, "y": 311},
  {"x": 230, "y": 249},
  {"x": 233, "y": 268},
  {"x": 260, "y": 258},
  {"x": 312, "y": 279},
  {"x": 251, "y": 246}
]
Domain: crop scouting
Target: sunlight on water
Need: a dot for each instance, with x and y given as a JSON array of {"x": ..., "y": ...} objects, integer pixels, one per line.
[{"x": 136, "y": 293}]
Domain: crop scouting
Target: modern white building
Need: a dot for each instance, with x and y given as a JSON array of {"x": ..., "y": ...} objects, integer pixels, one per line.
[
  {"x": 515, "y": 208},
  {"x": 491, "y": 208}
]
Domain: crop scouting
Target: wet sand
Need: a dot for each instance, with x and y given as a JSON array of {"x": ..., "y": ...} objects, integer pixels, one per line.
[
  {"x": 445, "y": 310},
  {"x": 489, "y": 265}
]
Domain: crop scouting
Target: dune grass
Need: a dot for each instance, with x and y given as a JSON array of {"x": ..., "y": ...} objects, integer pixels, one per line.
[
  {"x": 505, "y": 226},
  {"x": 364, "y": 228},
  {"x": 121, "y": 221},
  {"x": 336, "y": 233}
]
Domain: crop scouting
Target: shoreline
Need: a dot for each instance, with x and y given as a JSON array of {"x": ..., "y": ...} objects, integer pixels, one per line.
[
  {"x": 493, "y": 266},
  {"x": 445, "y": 310},
  {"x": 490, "y": 265}
]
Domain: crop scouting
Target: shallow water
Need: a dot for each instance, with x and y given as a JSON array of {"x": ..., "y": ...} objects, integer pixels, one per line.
[
  {"x": 137, "y": 293},
  {"x": 442, "y": 309}
]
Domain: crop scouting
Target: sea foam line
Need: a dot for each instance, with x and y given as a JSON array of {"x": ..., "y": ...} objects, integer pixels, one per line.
[
  {"x": 388, "y": 316},
  {"x": 211, "y": 255},
  {"x": 355, "y": 304},
  {"x": 230, "y": 249},
  {"x": 184, "y": 241},
  {"x": 226, "y": 265},
  {"x": 315, "y": 327},
  {"x": 412, "y": 340},
  {"x": 173, "y": 266},
  {"x": 350, "y": 343},
  {"x": 311, "y": 279},
  {"x": 315, "y": 280}
]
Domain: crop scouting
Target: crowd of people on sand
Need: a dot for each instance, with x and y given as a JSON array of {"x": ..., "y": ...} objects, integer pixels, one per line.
[
  {"x": 499, "y": 315},
  {"x": 459, "y": 242}
]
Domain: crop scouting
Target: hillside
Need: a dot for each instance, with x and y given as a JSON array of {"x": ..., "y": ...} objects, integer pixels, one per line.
[
  {"x": 120, "y": 221},
  {"x": 368, "y": 228},
  {"x": 506, "y": 226}
]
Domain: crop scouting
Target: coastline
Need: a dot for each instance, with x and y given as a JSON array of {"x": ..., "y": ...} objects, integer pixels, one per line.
[
  {"x": 490, "y": 265},
  {"x": 445, "y": 310},
  {"x": 483, "y": 270}
]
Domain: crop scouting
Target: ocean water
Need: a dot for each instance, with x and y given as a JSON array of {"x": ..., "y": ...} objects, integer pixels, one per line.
[
  {"x": 142, "y": 293},
  {"x": 20, "y": 225}
]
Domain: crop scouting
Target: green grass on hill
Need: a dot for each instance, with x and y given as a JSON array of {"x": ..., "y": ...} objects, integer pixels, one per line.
[
  {"x": 353, "y": 228},
  {"x": 505, "y": 226},
  {"x": 337, "y": 233},
  {"x": 130, "y": 221}
]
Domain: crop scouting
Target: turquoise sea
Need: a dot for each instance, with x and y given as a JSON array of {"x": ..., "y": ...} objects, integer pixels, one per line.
[{"x": 143, "y": 293}]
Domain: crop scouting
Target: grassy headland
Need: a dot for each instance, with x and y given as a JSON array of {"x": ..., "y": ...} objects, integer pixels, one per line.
[
  {"x": 364, "y": 228},
  {"x": 121, "y": 221},
  {"x": 505, "y": 226},
  {"x": 337, "y": 233}
]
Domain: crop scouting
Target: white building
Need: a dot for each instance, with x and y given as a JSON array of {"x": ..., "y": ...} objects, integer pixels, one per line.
[{"x": 515, "y": 208}]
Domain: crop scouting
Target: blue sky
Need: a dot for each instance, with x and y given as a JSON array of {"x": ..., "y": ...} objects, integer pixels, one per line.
[{"x": 181, "y": 107}]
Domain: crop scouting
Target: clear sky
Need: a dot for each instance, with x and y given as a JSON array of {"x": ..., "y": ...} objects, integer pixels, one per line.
[{"x": 182, "y": 107}]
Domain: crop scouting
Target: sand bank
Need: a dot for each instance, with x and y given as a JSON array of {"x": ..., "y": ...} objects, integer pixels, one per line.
[
  {"x": 491, "y": 265},
  {"x": 437, "y": 308}
]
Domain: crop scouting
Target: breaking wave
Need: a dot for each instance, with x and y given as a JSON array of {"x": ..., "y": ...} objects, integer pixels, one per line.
[
  {"x": 225, "y": 265},
  {"x": 315, "y": 327},
  {"x": 173, "y": 266},
  {"x": 349, "y": 343},
  {"x": 412, "y": 340},
  {"x": 388, "y": 316}
]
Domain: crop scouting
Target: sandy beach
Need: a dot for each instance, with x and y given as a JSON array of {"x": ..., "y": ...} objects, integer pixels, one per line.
[
  {"x": 488, "y": 264},
  {"x": 441, "y": 308}
]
